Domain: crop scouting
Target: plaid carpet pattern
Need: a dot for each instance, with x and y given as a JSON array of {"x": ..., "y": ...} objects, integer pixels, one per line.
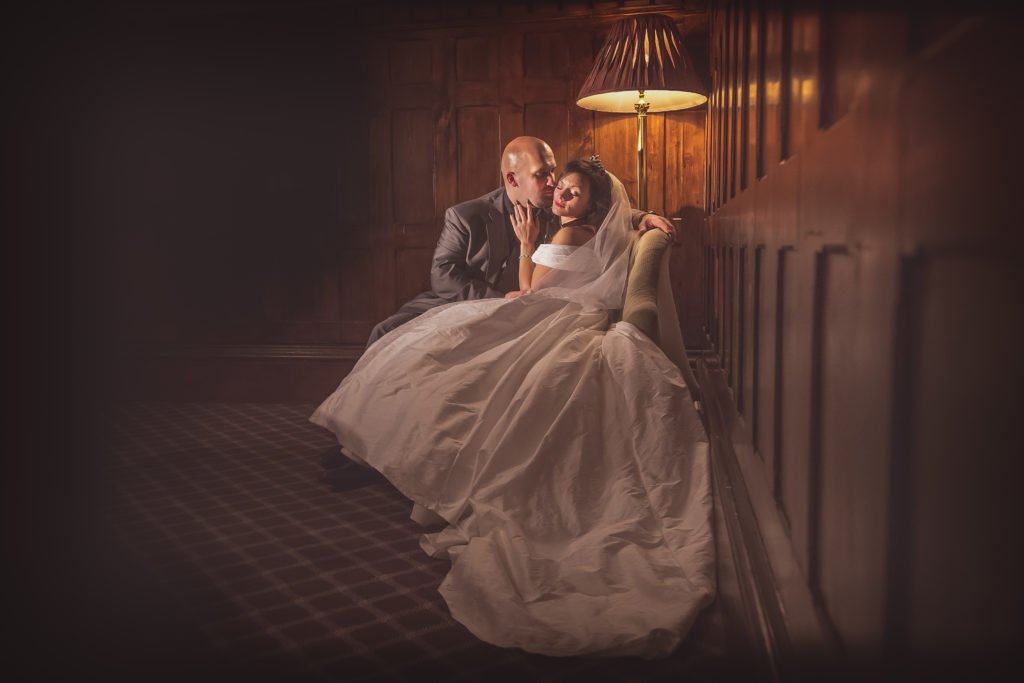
[{"x": 272, "y": 575}]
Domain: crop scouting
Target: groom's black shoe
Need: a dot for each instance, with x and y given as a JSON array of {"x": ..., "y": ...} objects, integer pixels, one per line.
[
  {"x": 332, "y": 457},
  {"x": 350, "y": 476},
  {"x": 342, "y": 473}
]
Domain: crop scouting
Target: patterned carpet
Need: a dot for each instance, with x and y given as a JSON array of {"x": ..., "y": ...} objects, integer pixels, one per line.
[{"x": 240, "y": 563}]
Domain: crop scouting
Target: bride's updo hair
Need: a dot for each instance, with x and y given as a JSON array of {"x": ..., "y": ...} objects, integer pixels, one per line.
[{"x": 600, "y": 186}]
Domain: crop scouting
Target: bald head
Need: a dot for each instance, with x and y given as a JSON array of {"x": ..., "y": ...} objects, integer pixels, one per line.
[{"x": 528, "y": 171}]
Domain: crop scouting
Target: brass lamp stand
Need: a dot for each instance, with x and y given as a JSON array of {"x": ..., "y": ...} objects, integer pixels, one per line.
[{"x": 641, "y": 162}]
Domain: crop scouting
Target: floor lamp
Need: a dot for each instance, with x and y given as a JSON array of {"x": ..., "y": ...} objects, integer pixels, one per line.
[{"x": 642, "y": 67}]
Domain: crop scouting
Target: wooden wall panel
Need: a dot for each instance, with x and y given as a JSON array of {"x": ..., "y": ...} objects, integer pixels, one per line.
[
  {"x": 550, "y": 122},
  {"x": 757, "y": 329},
  {"x": 965, "y": 509},
  {"x": 411, "y": 61},
  {"x": 795, "y": 400},
  {"x": 755, "y": 91},
  {"x": 732, "y": 99},
  {"x": 962, "y": 438},
  {"x": 728, "y": 302},
  {"x": 655, "y": 155},
  {"x": 357, "y": 266},
  {"x": 744, "y": 316},
  {"x": 762, "y": 422},
  {"x": 684, "y": 198},
  {"x": 545, "y": 55},
  {"x": 479, "y": 145},
  {"x": 583, "y": 46},
  {"x": 615, "y": 142},
  {"x": 718, "y": 113},
  {"x": 412, "y": 272},
  {"x": 412, "y": 165},
  {"x": 684, "y": 161},
  {"x": 854, "y": 461},
  {"x": 771, "y": 126},
  {"x": 743, "y": 66},
  {"x": 804, "y": 84},
  {"x": 476, "y": 59}
]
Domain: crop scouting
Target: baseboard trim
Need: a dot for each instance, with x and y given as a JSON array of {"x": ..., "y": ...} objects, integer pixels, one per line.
[
  {"x": 347, "y": 352},
  {"x": 243, "y": 373},
  {"x": 781, "y": 612}
]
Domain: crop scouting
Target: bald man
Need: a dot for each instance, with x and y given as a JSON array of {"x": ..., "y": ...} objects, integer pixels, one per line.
[{"x": 477, "y": 253}]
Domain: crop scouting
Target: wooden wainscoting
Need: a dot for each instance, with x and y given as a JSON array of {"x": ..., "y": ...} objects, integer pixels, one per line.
[{"x": 860, "y": 255}]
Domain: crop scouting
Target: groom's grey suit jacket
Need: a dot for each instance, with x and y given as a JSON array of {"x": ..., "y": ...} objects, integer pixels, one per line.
[
  {"x": 476, "y": 258},
  {"x": 475, "y": 250}
]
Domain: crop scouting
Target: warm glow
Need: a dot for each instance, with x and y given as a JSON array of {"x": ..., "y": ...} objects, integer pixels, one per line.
[
  {"x": 807, "y": 90},
  {"x": 660, "y": 100}
]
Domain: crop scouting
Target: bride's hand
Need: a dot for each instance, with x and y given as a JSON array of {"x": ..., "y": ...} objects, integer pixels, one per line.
[
  {"x": 517, "y": 293},
  {"x": 525, "y": 224}
]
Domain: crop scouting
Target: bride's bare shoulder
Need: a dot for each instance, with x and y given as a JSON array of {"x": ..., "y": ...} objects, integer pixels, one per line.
[{"x": 573, "y": 235}]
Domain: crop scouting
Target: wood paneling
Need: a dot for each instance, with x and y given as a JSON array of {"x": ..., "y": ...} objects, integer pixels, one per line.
[
  {"x": 755, "y": 66},
  {"x": 795, "y": 399},
  {"x": 732, "y": 99},
  {"x": 615, "y": 142},
  {"x": 771, "y": 126},
  {"x": 879, "y": 269},
  {"x": 747, "y": 85},
  {"x": 356, "y": 266},
  {"x": 965, "y": 511},
  {"x": 756, "y": 344},
  {"x": 548, "y": 121},
  {"x": 684, "y": 198},
  {"x": 478, "y": 144},
  {"x": 412, "y": 167},
  {"x": 855, "y": 445},
  {"x": 412, "y": 272},
  {"x": 545, "y": 55},
  {"x": 962, "y": 438},
  {"x": 411, "y": 62},
  {"x": 804, "y": 82},
  {"x": 476, "y": 59}
]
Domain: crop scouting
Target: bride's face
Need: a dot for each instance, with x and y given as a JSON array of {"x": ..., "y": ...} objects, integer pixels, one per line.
[{"x": 572, "y": 196}]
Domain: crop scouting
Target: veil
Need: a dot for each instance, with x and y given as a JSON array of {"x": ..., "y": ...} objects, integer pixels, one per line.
[{"x": 595, "y": 274}]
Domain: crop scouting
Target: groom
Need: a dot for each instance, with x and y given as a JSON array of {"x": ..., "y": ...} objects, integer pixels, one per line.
[{"x": 477, "y": 253}]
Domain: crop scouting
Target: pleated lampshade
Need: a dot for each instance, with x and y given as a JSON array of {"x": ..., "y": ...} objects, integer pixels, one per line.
[{"x": 642, "y": 53}]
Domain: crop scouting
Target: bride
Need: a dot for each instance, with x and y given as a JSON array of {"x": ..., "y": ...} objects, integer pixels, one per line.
[{"x": 563, "y": 451}]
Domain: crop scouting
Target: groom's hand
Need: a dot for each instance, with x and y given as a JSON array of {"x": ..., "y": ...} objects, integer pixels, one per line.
[{"x": 653, "y": 220}]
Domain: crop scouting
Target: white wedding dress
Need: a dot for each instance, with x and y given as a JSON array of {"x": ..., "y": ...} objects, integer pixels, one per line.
[{"x": 564, "y": 452}]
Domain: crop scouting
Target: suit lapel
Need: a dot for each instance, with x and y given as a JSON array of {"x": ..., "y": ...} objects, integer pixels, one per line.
[{"x": 497, "y": 237}]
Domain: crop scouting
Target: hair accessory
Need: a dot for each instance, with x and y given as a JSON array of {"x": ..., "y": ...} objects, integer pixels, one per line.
[{"x": 596, "y": 159}]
